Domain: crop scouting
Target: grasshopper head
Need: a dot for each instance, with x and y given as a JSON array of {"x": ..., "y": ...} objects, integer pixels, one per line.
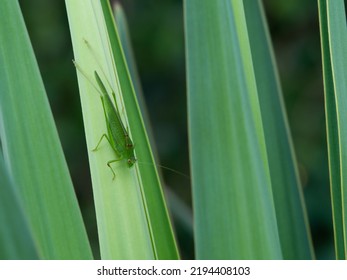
[{"x": 131, "y": 160}]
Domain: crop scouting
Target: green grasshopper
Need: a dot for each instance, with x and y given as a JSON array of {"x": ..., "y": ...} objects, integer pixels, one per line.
[{"x": 117, "y": 135}]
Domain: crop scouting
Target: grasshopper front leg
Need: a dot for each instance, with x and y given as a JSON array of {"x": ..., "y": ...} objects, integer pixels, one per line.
[
  {"x": 111, "y": 161},
  {"x": 109, "y": 165}
]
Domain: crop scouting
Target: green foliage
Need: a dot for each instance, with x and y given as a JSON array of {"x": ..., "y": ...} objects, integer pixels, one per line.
[
  {"x": 233, "y": 204},
  {"x": 163, "y": 241},
  {"x": 287, "y": 190},
  {"x": 334, "y": 44},
  {"x": 132, "y": 217},
  {"x": 31, "y": 148},
  {"x": 247, "y": 195}
]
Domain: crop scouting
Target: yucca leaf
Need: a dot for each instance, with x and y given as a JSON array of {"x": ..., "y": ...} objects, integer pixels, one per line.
[
  {"x": 233, "y": 205},
  {"x": 127, "y": 229},
  {"x": 334, "y": 44},
  {"x": 287, "y": 190},
  {"x": 31, "y": 147},
  {"x": 163, "y": 240}
]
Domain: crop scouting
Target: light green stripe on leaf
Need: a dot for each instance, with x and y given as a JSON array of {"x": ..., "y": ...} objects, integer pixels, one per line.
[
  {"x": 126, "y": 226},
  {"x": 122, "y": 225}
]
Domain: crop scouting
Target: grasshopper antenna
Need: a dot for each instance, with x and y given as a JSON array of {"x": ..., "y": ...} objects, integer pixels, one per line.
[
  {"x": 96, "y": 60},
  {"x": 86, "y": 76},
  {"x": 167, "y": 168},
  {"x": 93, "y": 54}
]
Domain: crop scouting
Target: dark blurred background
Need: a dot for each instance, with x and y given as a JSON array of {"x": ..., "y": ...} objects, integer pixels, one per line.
[{"x": 157, "y": 36}]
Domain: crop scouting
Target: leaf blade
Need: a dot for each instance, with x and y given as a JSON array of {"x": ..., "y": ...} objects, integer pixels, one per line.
[
  {"x": 163, "y": 240},
  {"x": 128, "y": 234},
  {"x": 288, "y": 197},
  {"x": 35, "y": 160},
  {"x": 334, "y": 42},
  {"x": 231, "y": 184}
]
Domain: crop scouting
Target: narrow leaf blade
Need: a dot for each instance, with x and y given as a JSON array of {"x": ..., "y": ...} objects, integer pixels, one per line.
[
  {"x": 287, "y": 190},
  {"x": 31, "y": 146},
  {"x": 233, "y": 204},
  {"x": 124, "y": 222},
  {"x": 163, "y": 240},
  {"x": 334, "y": 43}
]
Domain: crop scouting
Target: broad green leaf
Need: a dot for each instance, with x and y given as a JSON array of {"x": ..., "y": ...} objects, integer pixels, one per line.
[
  {"x": 127, "y": 226},
  {"x": 334, "y": 44},
  {"x": 31, "y": 147},
  {"x": 232, "y": 197},
  {"x": 287, "y": 190},
  {"x": 16, "y": 241}
]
